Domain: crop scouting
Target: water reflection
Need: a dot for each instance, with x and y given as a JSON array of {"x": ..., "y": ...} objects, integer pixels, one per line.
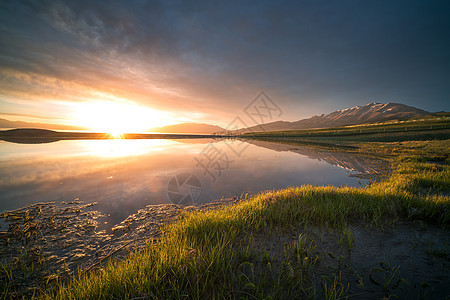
[
  {"x": 120, "y": 147},
  {"x": 346, "y": 160},
  {"x": 126, "y": 175}
]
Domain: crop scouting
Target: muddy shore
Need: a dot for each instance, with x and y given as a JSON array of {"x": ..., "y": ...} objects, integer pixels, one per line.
[{"x": 46, "y": 242}]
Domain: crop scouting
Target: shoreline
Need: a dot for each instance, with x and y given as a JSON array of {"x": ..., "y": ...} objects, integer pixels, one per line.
[
  {"x": 35, "y": 136},
  {"x": 66, "y": 238},
  {"x": 332, "y": 230}
]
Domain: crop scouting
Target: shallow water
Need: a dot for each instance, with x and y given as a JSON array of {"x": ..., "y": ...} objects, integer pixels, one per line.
[{"x": 126, "y": 175}]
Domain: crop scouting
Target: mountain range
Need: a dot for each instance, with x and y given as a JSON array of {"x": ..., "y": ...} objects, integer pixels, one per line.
[
  {"x": 369, "y": 113},
  {"x": 193, "y": 128}
]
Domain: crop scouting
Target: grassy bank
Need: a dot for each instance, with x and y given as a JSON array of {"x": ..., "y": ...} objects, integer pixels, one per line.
[
  {"x": 414, "y": 129},
  {"x": 231, "y": 252}
]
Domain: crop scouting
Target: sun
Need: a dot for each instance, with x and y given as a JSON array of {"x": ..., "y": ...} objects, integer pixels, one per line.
[{"x": 117, "y": 118}]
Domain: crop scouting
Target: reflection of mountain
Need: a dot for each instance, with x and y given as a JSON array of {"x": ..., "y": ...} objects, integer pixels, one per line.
[
  {"x": 349, "y": 161},
  {"x": 201, "y": 141},
  {"x": 25, "y": 140}
]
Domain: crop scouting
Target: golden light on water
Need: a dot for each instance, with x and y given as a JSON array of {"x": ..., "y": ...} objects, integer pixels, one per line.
[
  {"x": 118, "y": 117},
  {"x": 123, "y": 147}
]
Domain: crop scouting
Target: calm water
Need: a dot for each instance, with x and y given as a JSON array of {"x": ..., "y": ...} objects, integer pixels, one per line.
[{"x": 126, "y": 175}]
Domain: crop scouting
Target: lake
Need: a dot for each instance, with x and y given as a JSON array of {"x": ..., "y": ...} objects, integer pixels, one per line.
[{"x": 126, "y": 175}]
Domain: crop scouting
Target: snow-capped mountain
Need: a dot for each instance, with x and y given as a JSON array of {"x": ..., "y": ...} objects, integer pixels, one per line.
[
  {"x": 374, "y": 112},
  {"x": 369, "y": 113}
]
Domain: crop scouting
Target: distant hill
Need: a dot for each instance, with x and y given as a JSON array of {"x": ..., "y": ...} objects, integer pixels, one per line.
[
  {"x": 440, "y": 114},
  {"x": 29, "y": 136},
  {"x": 193, "y": 128},
  {"x": 36, "y": 136},
  {"x": 369, "y": 113},
  {"x": 28, "y": 132},
  {"x": 19, "y": 124}
]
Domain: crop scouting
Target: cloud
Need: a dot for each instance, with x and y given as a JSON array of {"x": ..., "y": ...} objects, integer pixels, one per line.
[{"x": 214, "y": 58}]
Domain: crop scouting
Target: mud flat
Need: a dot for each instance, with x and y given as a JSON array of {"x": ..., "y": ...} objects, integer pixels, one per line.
[{"x": 50, "y": 241}]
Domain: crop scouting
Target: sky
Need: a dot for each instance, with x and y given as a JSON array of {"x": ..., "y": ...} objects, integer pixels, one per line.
[{"x": 164, "y": 62}]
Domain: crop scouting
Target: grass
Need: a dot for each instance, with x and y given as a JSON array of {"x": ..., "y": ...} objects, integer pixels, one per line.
[
  {"x": 216, "y": 254},
  {"x": 333, "y": 288},
  {"x": 347, "y": 238},
  {"x": 413, "y": 129}
]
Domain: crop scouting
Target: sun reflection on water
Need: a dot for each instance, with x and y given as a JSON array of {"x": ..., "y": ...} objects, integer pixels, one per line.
[{"x": 123, "y": 147}]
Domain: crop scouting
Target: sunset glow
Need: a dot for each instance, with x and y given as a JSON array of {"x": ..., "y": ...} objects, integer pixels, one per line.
[
  {"x": 146, "y": 144},
  {"x": 122, "y": 148},
  {"x": 117, "y": 118}
]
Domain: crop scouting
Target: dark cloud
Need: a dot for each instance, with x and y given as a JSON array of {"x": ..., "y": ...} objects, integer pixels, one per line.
[{"x": 312, "y": 56}]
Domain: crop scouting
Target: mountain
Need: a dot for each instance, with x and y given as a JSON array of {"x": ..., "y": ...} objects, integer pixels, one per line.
[
  {"x": 194, "y": 128},
  {"x": 369, "y": 113},
  {"x": 19, "y": 124}
]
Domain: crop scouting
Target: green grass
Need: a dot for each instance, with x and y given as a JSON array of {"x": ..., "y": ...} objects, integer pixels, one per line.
[
  {"x": 414, "y": 129},
  {"x": 215, "y": 254}
]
